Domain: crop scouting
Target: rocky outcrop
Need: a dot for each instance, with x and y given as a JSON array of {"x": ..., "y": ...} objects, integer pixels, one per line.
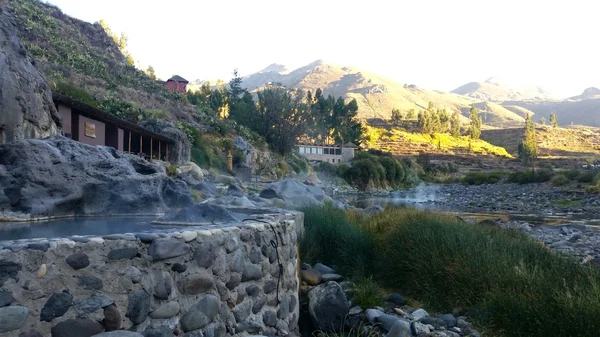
[
  {"x": 60, "y": 177},
  {"x": 26, "y": 107},
  {"x": 260, "y": 162},
  {"x": 180, "y": 151},
  {"x": 295, "y": 193}
]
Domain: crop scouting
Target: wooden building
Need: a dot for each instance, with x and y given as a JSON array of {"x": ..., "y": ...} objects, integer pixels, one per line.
[
  {"x": 90, "y": 125},
  {"x": 177, "y": 84}
]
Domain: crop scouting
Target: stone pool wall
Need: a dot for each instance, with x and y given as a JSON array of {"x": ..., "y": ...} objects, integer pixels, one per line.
[{"x": 209, "y": 281}]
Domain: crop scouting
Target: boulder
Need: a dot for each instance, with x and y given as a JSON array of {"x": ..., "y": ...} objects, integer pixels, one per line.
[
  {"x": 202, "y": 213},
  {"x": 178, "y": 152},
  {"x": 208, "y": 190},
  {"x": 25, "y": 97},
  {"x": 295, "y": 193},
  {"x": 312, "y": 277},
  {"x": 235, "y": 190},
  {"x": 328, "y": 306},
  {"x": 61, "y": 177}
]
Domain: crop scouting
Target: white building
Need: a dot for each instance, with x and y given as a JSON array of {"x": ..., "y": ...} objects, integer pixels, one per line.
[{"x": 333, "y": 154}]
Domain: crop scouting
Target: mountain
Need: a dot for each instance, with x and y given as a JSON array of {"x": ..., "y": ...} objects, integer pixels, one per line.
[
  {"x": 84, "y": 56},
  {"x": 495, "y": 89},
  {"x": 376, "y": 95}
]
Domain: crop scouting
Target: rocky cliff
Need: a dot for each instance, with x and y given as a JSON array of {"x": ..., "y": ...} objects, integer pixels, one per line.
[
  {"x": 61, "y": 177},
  {"x": 26, "y": 107}
]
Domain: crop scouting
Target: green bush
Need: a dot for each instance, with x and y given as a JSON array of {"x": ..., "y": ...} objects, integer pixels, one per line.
[
  {"x": 171, "y": 170},
  {"x": 586, "y": 177},
  {"x": 378, "y": 169},
  {"x": 331, "y": 238},
  {"x": 367, "y": 293},
  {"x": 560, "y": 180},
  {"x": 572, "y": 174},
  {"x": 530, "y": 176},
  {"x": 325, "y": 167},
  {"x": 510, "y": 283},
  {"x": 297, "y": 163},
  {"x": 477, "y": 178}
]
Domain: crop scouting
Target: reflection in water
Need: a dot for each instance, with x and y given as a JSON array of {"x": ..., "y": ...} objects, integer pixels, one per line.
[{"x": 69, "y": 227}]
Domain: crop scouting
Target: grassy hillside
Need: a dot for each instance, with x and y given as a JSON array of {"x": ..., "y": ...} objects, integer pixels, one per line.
[
  {"x": 497, "y": 90},
  {"x": 69, "y": 50},
  {"x": 574, "y": 143}
]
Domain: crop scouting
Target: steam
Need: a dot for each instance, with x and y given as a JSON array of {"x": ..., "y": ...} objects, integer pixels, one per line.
[{"x": 418, "y": 195}]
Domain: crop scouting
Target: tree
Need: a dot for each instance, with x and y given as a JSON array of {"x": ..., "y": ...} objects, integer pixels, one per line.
[
  {"x": 475, "y": 122},
  {"x": 543, "y": 121},
  {"x": 455, "y": 124},
  {"x": 396, "y": 116},
  {"x": 528, "y": 149},
  {"x": 553, "y": 120},
  {"x": 235, "y": 86},
  {"x": 151, "y": 73},
  {"x": 411, "y": 115}
]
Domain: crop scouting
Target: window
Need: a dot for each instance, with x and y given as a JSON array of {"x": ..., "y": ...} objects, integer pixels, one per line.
[
  {"x": 319, "y": 150},
  {"x": 302, "y": 149},
  {"x": 325, "y": 151},
  {"x": 338, "y": 151},
  {"x": 339, "y": 160}
]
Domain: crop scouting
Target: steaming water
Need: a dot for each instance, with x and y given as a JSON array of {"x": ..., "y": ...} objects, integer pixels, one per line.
[{"x": 70, "y": 227}]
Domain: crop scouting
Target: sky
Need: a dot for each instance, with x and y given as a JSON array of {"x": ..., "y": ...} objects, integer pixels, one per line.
[{"x": 436, "y": 44}]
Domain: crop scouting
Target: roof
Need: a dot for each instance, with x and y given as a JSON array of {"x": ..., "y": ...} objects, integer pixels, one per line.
[
  {"x": 178, "y": 78},
  {"x": 104, "y": 116},
  {"x": 350, "y": 144}
]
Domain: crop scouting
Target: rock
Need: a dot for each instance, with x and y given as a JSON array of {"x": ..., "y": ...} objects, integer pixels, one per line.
[
  {"x": 311, "y": 277},
  {"x": 162, "y": 331},
  {"x": 270, "y": 318},
  {"x": 188, "y": 236},
  {"x": 6, "y": 298},
  {"x": 215, "y": 330},
  {"x": 323, "y": 269},
  {"x": 204, "y": 255},
  {"x": 146, "y": 237},
  {"x": 202, "y": 213},
  {"x": 122, "y": 253},
  {"x": 372, "y": 314},
  {"x": 179, "y": 152},
  {"x": 200, "y": 314},
  {"x": 163, "y": 285},
  {"x": 138, "y": 306},
  {"x": 196, "y": 284},
  {"x": 419, "y": 313},
  {"x": 331, "y": 277},
  {"x": 237, "y": 262},
  {"x": 89, "y": 282},
  {"x": 418, "y": 328},
  {"x": 242, "y": 311},
  {"x": 270, "y": 286},
  {"x": 435, "y": 322},
  {"x": 43, "y": 247},
  {"x": 42, "y": 271},
  {"x": 235, "y": 190},
  {"x": 397, "y": 299},
  {"x": 26, "y": 102},
  {"x": 259, "y": 303},
  {"x": 249, "y": 327},
  {"x": 296, "y": 193},
  {"x": 400, "y": 328},
  {"x": 77, "y": 328},
  {"x": 134, "y": 273},
  {"x": 255, "y": 255},
  {"x": 112, "y": 318},
  {"x": 328, "y": 306},
  {"x": 120, "y": 333},
  {"x": 166, "y": 310},
  {"x": 166, "y": 249},
  {"x": 355, "y": 310},
  {"x": 179, "y": 268},
  {"x": 387, "y": 321},
  {"x": 208, "y": 190},
  {"x": 234, "y": 281},
  {"x": 231, "y": 245},
  {"x": 12, "y": 318},
  {"x": 252, "y": 272},
  {"x": 372, "y": 210},
  {"x": 56, "y": 306},
  {"x": 91, "y": 304},
  {"x": 449, "y": 319},
  {"x": 8, "y": 269},
  {"x": 125, "y": 183},
  {"x": 252, "y": 290},
  {"x": 31, "y": 334},
  {"x": 194, "y": 170}
]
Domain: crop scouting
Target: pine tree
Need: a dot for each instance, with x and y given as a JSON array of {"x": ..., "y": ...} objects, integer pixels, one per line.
[
  {"x": 553, "y": 120},
  {"x": 455, "y": 124},
  {"x": 475, "y": 122},
  {"x": 528, "y": 149}
]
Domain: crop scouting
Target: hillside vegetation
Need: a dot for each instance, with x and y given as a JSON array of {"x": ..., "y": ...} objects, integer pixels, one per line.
[{"x": 68, "y": 50}]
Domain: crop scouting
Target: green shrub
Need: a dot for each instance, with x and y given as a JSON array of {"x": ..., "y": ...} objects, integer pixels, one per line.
[
  {"x": 560, "y": 180},
  {"x": 510, "y": 282},
  {"x": 342, "y": 169},
  {"x": 331, "y": 238},
  {"x": 75, "y": 93},
  {"x": 367, "y": 293},
  {"x": 586, "y": 177},
  {"x": 171, "y": 170},
  {"x": 325, "y": 167},
  {"x": 530, "y": 176},
  {"x": 572, "y": 174},
  {"x": 477, "y": 178},
  {"x": 297, "y": 163}
]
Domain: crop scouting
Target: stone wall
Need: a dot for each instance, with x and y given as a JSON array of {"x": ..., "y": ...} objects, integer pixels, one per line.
[{"x": 211, "y": 280}]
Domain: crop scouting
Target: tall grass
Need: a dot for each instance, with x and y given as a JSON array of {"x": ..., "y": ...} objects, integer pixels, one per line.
[{"x": 509, "y": 283}]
